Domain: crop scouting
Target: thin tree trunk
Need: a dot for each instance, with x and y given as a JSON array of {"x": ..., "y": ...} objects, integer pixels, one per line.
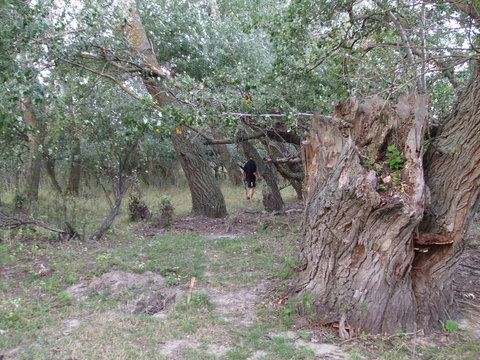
[
  {"x": 125, "y": 167},
  {"x": 35, "y": 137},
  {"x": 207, "y": 199},
  {"x": 233, "y": 170},
  {"x": 108, "y": 221},
  {"x": 278, "y": 150},
  {"x": 50, "y": 167},
  {"x": 272, "y": 198},
  {"x": 75, "y": 168}
]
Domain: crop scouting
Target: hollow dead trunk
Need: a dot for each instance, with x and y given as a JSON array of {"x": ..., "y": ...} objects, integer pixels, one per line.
[
  {"x": 207, "y": 199},
  {"x": 75, "y": 169},
  {"x": 380, "y": 246},
  {"x": 272, "y": 198},
  {"x": 358, "y": 241}
]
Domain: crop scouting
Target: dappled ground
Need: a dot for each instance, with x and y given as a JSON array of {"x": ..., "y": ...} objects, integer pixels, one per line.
[{"x": 131, "y": 297}]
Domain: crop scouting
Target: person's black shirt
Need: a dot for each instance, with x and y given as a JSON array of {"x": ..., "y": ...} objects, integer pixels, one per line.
[{"x": 250, "y": 168}]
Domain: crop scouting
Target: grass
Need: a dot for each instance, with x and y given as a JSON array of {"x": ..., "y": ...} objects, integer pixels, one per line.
[
  {"x": 85, "y": 213},
  {"x": 35, "y": 308}
]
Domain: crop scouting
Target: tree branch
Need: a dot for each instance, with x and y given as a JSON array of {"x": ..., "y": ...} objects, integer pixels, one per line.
[{"x": 13, "y": 222}]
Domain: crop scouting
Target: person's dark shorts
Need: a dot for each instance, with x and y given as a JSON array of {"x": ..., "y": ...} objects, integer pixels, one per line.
[{"x": 250, "y": 184}]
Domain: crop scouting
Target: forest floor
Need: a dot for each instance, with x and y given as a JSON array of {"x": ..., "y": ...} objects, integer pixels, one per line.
[{"x": 222, "y": 285}]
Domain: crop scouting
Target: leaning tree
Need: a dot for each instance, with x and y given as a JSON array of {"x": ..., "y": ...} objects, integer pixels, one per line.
[
  {"x": 207, "y": 198},
  {"x": 386, "y": 216}
]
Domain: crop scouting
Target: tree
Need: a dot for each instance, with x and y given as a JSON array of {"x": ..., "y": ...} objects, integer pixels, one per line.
[
  {"x": 75, "y": 168},
  {"x": 272, "y": 199},
  {"x": 384, "y": 230},
  {"x": 233, "y": 170},
  {"x": 207, "y": 198},
  {"x": 36, "y": 137}
]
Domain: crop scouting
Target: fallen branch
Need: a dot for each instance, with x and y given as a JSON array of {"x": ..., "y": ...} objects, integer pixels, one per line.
[{"x": 14, "y": 222}]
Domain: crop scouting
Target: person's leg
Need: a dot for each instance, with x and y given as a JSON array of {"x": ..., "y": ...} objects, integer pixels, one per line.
[
  {"x": 251, "y": 188},
  {"x": 252, "y": 192}
]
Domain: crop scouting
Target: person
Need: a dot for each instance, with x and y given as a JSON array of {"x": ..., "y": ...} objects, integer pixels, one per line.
[{"x": 250, "y": 171}]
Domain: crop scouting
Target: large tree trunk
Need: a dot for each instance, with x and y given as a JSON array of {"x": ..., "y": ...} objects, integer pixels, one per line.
[
  {"x": 452, "y": 172},
  {"x": 358, "y": 242},
  {"x": 384, "y": 260},
  {"x": 207, "y": 199},
  {"x": 35, "y": 137},
  {"x": 75, "y": 169},
  {"x": 272, "y": 199}
]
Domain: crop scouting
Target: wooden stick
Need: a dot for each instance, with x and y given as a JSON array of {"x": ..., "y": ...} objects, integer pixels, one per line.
[{"x": 190, "y": 289}]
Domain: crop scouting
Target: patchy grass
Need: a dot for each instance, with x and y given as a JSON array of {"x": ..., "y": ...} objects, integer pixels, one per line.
[
  {"x": 233, "y": 312},
  {"x": 34, "y": 307}
]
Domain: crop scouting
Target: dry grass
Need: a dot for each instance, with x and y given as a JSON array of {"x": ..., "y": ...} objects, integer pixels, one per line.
[{"x": 35, "y": 309}]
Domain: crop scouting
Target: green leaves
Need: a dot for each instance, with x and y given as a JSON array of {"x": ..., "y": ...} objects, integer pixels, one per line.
[{"x": 395, "y": 158}]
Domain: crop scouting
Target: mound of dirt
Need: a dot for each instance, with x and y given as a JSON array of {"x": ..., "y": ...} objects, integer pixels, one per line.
[
  {"x": 117, "y": 282},
  {"x": 150, "y": 303},
  {"x": 153, "y": 295}
]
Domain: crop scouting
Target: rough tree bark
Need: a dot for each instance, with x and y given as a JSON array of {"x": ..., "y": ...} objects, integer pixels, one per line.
[
  {"x": 452, "y": 173},
  {"x": 35, "y": 137},
  {"x": 75, "y": 168},
  {"x": 384, "y": 260},
  {"x": 358, "y": 242},
  {"x": 192, "y": 157},
  {"x": 207, "y": 198},
  {"x": 272, "y": 199}
]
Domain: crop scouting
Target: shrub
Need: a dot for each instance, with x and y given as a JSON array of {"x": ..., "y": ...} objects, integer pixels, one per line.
[
  {"x": 165, "y": 216},
  {"x": 137, "y": 209}
]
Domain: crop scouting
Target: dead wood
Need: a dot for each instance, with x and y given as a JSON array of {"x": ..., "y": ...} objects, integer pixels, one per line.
[{"x": 16, "y": 221}]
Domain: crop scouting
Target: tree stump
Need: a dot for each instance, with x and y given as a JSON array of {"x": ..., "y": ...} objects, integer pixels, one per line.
[{"x": 358, "y": 237}]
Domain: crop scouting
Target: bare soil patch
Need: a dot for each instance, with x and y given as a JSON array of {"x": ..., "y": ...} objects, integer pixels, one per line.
[
  {"x": 239, "y": 222},
  {"x": 237, "y": 306}
]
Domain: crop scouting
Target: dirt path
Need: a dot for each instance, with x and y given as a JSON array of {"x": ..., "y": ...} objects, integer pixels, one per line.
[{"x": 128, "y": 299}]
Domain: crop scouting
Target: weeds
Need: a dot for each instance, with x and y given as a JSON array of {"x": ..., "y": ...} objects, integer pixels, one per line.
[
  {"x": 395, "y": 158},
  {"x": 450, "y": 326}
]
